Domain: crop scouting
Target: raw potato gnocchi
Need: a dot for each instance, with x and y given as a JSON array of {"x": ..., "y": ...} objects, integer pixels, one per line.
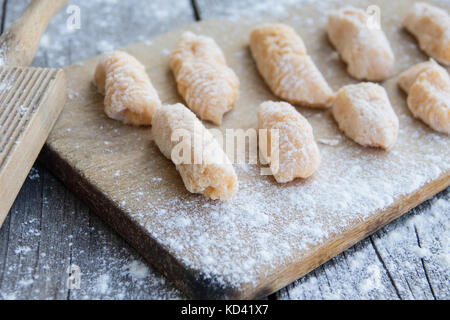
[
  {"x": 428, "y": 87},
  {"x": 364, "y": 113},
  {"x": 431, "y": 26},
  {"x": 281, "y": 59},
  {"x": 129, "y": 94},
  {"x": 298, "y": 154},
  {"x": 208, "y": 171},
  {"x": 365, "y": 49},
  {"x": 207, "y": 84},
  {"x": 408, "y": 77}
]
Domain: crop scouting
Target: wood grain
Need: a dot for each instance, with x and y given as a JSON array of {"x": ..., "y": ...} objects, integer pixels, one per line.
[
  {"x": 31, "y": 99},
  {"x": 30, "y": 103}
]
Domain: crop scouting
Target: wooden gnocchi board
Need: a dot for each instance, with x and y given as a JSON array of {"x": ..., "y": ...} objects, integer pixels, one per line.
[{"x": 269, "y": 234}]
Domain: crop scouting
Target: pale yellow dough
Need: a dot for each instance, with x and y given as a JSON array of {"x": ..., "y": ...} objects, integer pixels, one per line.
[
  {"x": 289, "y": 71},
  {"x": 365, "y": 49},
  {"x": 208, "y": 171},
  {"x": 298, "y": 154},
  {"x": 407, "y": 78},
  {"x": 207, "y": 84},
  {"x": 129, "y": 94},
  {"x": 364, "y": 113},
  {"x": 431, "y": 26},
  {"x": 428, "y": 87}
]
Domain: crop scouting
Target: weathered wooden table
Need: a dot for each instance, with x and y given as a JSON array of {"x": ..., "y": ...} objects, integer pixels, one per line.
[{"x": 48, "y": 229}]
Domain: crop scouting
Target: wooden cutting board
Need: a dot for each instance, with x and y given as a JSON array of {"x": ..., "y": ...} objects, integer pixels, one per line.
[{"x": 270, "y": 234}]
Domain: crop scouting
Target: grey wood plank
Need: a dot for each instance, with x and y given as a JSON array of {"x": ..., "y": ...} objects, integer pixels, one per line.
[
  {"x": 48, "y": 228},
  {"x": 388, "y": 265},
  {"x": 395, "y": 244},
  {"x": 433, "y": 238},
  {"x": 355, "y": 274},
  {"x": 2, "y": 10},
  {"x": 419, "y": 244}
]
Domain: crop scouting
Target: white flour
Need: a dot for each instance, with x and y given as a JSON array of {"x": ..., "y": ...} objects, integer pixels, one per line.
[{"x": 358, "y": 273}]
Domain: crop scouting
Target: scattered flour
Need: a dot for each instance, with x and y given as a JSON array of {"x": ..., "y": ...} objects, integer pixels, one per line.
[
  {"x": 105, "y": 46},
  {"x": 25, "y": 282},
  {"x": 421, "y": 252},
  {"x": 358, "y": 273},
  {"x": 102, "y": 284},
  {"x": 330, "y": 142},
  {"x": 22, "y": 250},
  {"x": 137, "y": 270},
  {"x": 34, "y": 174},
  {"x": 165, "y": 52},
  {"x": 374, "y": 281},
  {"x": 8, "y": 296}
]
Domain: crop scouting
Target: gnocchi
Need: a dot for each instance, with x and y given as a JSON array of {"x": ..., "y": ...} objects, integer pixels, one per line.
[
  {"x": 298, "y": 154},
  {"x": 408, "y": 77},
  {"x": 207, "y": 169},
  {"x": 207, "y": 84},
  {"x": 283, "y": 62},
  {"x": 364, "y": 113},
  {"x": 364, "y": 48},
  {"x": 428, "y": 94},
  {"x": 129, "y": 94},
  {"x": 431, "y": 26}
]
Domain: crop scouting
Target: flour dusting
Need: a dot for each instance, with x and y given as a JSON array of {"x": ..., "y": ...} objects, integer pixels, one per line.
[
  {"x": 138, "y": 270},
  {"x": 358, "y": 273}
]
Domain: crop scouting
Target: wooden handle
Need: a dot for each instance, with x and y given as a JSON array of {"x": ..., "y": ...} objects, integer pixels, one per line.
[{"x": 20, "y": 42}]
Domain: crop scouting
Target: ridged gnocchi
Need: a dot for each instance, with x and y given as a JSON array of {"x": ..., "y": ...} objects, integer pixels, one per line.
[
  {"x": 209, "y": 87},
  {"x": 207, "y": 170},
  {"x": 364, "y": 113},
  {"x": 129, "y": 94},
  {"x": 431, "y": 26},
  {"x": 365, "y": 49},
  {"x": 428, "y": 87},
  {"x": 297, "y": 155},
  {"x": 408, "y": 77},
  {"x": 289, "y": 71}
]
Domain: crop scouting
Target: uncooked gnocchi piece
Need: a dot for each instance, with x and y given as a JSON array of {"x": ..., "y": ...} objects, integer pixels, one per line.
[
  {"x": 207, "y": 169},
  {"x": 431, "y": 26},
  {"x": 408, "y": 77},
  {"x": 298, "y": 154},
  {"x": 364, "y": 48},
  {"x": 429, "y": 95},
  {"x": 129, "y": 94},
  {"x": 207, "y": 84},
  {"x": 364, "y": 113},
  {"x": 289, "y": 71}
]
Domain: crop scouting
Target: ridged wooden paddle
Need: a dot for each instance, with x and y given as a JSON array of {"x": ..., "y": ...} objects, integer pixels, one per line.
[{"x": 30, "y": 98}]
